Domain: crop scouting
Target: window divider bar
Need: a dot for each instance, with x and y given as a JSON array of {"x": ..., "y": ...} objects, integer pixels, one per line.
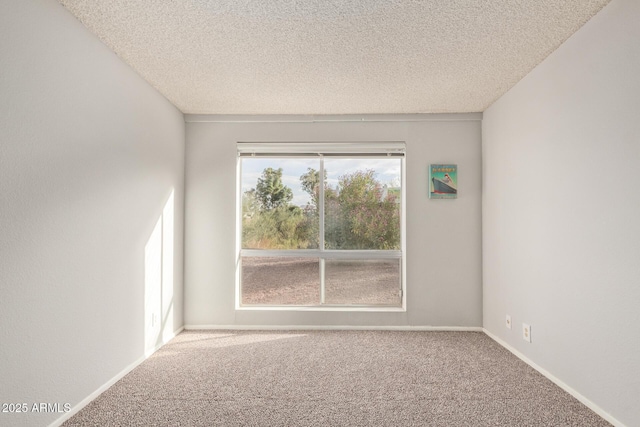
[
  {"x": 321, "y": 204},
  {"x": 320, "y": 208},
  {"x": 322, "y": 288},
  {"x": 326, "y": 254}
]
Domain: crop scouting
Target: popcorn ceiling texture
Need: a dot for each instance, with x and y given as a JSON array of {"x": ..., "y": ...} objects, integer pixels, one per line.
[{"x": 333, "y": 57}]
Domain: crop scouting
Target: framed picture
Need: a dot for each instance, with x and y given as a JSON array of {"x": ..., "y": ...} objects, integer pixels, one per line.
[{"x": 443, "y": 181}]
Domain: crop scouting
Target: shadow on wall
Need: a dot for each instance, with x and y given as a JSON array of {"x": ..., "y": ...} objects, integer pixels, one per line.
[{"x": 158, "y": 280}]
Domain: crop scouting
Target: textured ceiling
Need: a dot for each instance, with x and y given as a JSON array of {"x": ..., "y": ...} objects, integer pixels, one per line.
[{"x": 333, "y": 56}]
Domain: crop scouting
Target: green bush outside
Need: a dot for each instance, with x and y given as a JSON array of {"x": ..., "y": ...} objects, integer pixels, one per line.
[{"x": 360, "y": 213}]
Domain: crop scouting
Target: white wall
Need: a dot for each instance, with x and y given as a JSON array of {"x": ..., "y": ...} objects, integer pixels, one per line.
[
  {"x": 561, "y": 209},
  {"x": 89, "y": 156},
  {"x": 444, "y": 236}
]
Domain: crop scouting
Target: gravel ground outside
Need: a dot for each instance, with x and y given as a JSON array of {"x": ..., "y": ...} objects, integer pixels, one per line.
[{"x": 296, "y": 281}]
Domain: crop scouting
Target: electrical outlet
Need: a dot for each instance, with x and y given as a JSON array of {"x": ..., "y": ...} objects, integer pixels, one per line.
[
  {"x": 526, "y": 332},
  {"x": 508, "y": 322}
]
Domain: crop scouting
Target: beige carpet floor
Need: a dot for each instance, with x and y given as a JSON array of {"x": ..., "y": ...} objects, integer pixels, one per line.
[{"x": 334, "y": 378}]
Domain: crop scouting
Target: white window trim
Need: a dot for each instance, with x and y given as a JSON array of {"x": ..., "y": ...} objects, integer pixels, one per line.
[
  {"x": 320, "y": 149},
  {"x": 280, "y": 149}
]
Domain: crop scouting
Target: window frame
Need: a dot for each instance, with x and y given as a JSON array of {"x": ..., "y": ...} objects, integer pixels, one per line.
[{"x": 321, "y": 150}]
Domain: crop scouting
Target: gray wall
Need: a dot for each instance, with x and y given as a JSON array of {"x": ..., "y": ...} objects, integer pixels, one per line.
[
  {"x": 89, "y": 154},
  {"x": 561, "y": 236},
  {"x": 444, "y": 236}
]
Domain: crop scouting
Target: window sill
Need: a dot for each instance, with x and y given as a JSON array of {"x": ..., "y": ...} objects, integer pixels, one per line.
[{"x": 345, "y": 308}]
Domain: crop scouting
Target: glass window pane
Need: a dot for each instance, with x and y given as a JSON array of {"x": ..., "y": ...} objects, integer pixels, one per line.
[
  {"x": 362, "y": 203},
  {"x": 370, "y": 282},
  {"x": 280, "y": 203},
  {"x": 280, "y": 281}
]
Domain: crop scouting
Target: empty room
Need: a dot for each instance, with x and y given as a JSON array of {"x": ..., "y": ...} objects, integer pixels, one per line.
[{"x": 303, "y": 213}]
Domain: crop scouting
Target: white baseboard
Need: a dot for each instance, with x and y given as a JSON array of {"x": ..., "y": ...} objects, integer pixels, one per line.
[
  {"x": 332, "y": 328},
  {"x": 77, "y": 408},
  {"x": 589, "y": 404}
]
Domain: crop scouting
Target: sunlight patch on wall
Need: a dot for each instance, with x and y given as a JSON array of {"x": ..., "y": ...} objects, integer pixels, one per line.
[{"x": 158, "y": 280}]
